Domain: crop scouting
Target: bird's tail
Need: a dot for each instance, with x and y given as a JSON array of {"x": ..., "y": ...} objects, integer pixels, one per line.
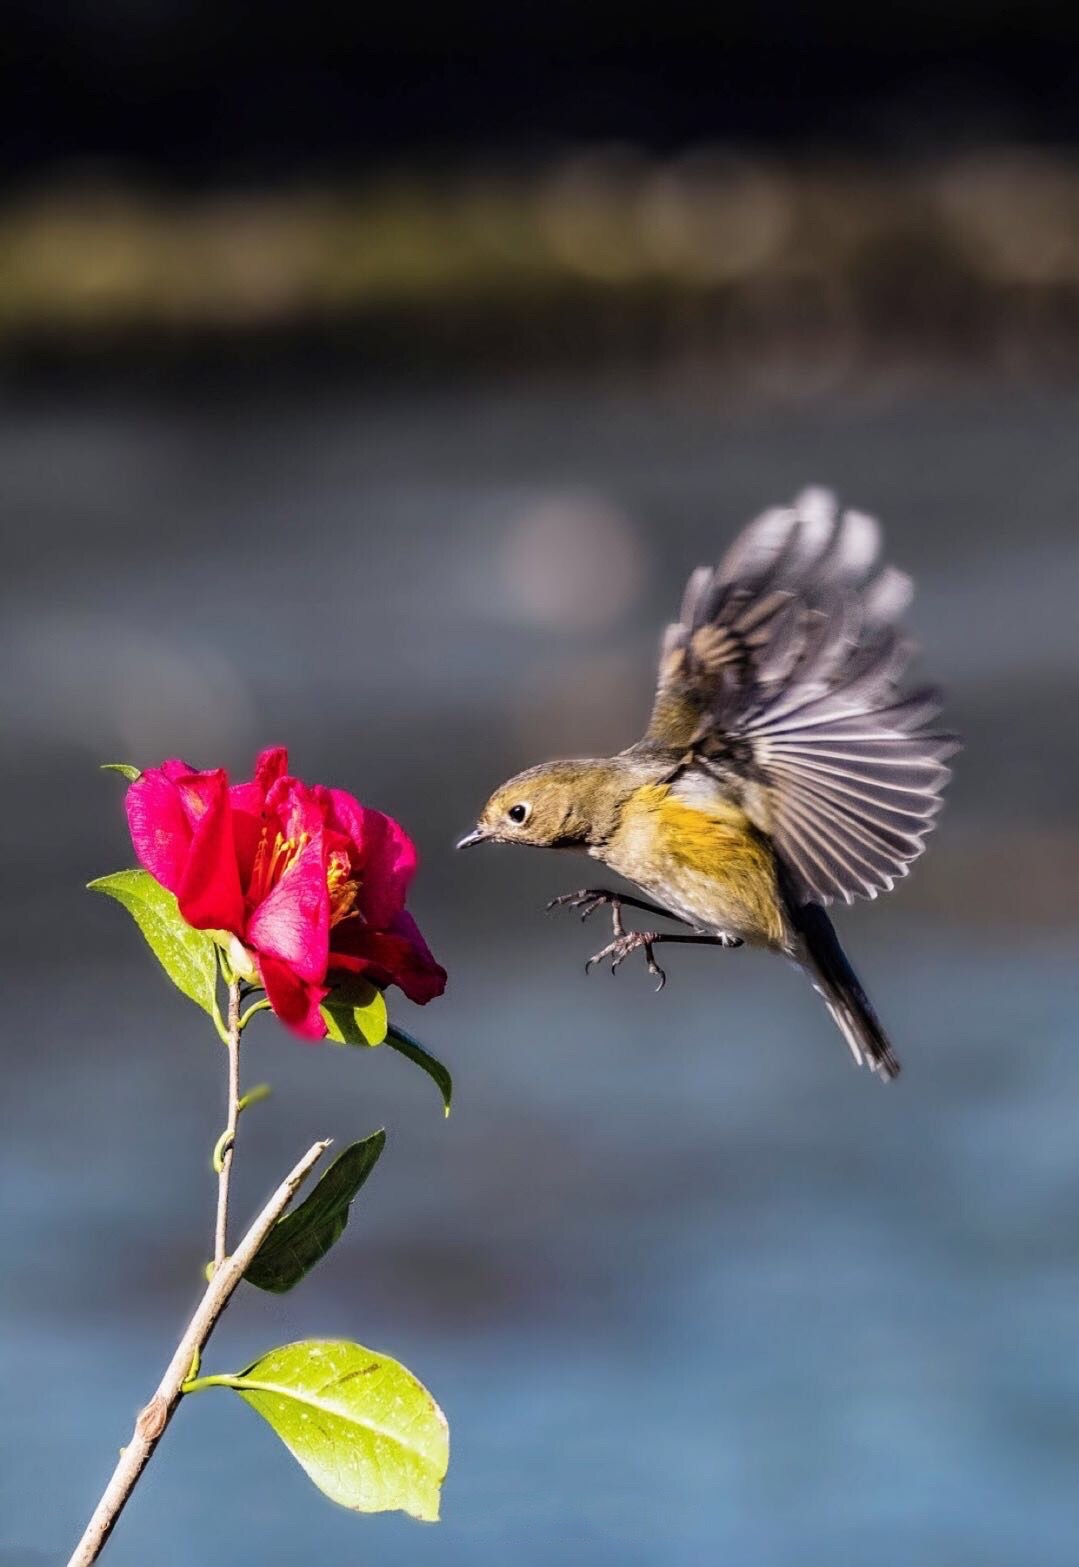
[{"x": 827, "y": 966}]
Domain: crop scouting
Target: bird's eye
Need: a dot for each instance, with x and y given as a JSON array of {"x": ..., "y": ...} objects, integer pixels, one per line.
[{"x": 519, "y": 813}]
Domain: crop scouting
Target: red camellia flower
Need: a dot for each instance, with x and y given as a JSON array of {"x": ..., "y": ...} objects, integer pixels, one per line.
[{"x": 308, "y": 880}]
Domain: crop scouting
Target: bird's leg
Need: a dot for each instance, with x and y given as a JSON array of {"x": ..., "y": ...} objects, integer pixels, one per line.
[
  {"x": 589, "y": 899},
  {"x": 626, "y": 942}
]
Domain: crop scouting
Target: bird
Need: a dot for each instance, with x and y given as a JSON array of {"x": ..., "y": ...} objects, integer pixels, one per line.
[{"x": 784, "y": 767}]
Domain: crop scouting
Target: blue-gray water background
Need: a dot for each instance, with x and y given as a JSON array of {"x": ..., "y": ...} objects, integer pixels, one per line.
[{"x": 690, "y": 1288}]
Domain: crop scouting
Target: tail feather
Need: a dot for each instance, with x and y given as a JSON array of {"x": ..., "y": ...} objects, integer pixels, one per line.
[{"x": 828, "y": 967}]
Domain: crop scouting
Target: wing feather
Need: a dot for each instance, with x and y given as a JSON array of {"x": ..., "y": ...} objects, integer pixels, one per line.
[{"x": 784, "y": 679}]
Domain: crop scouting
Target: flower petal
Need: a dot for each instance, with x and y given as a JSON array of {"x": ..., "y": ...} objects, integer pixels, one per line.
[
  {"x": 173, "y": 767},
  {"x": 249, "y": 807},
  {"x": 209, "y": 893},
  {"x": 293, "y": 923},
  {"x": 159, "y": 828},
  {"x": 296, "y": 1003},
  {"x": 383, "y": 853},
  {"x": 399, "y": 956},
  {"x": 270, "y": 765},
  {"x": 422, "y": 978}
]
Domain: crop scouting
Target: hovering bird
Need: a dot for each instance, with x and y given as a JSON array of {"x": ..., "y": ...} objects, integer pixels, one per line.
[{"x": 782, "y": 768}]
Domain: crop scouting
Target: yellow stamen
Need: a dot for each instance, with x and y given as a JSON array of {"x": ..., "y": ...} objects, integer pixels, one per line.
[
  {"x": 343, "y": 889},
  {"x": 271, "y": 865}
]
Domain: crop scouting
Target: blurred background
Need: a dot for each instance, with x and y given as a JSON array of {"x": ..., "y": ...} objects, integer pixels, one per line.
[{"x": 370, "y": 383}]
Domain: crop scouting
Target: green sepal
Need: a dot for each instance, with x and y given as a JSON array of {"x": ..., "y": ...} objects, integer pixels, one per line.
[
  {"x": 355, "y": 1013},
  {"x": 302, "y": 1238},
  {"x": 125, "y": 769},
  {"x": 404, "y": 1043},
  {"x": 188, "y": 956},
  {"x": 366, "y": 1431}
]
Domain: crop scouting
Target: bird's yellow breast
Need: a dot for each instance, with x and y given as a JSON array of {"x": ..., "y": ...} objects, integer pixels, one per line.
[{"x": 704, "y": 861}]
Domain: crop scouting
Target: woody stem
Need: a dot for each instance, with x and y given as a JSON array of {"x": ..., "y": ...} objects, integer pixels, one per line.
[
  {"x": 227, "y": 1143},
  {"x": 156, "y": 1415}
]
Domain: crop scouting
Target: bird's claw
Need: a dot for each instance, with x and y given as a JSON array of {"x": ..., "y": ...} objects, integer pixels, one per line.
[
  {"x": 587, "y": 900},
  {"x": 619, "y": 950}
]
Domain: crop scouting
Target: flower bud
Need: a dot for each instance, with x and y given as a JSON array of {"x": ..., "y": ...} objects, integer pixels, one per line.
[{"x": 241, "y": 961}]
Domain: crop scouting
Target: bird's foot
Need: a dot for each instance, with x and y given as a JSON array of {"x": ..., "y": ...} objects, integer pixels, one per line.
[{"x": 620, "y": 948}]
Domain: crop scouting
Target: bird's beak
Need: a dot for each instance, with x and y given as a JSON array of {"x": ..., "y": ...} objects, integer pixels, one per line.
[{"x": 477, "y": 835}]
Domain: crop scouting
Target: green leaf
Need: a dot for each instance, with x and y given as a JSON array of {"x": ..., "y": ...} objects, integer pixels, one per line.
[
  {"x": 367, "y": 1433},
  {"x": 355, "y": 1013},
  {"x": 303, "y": 1237},
  {"x": 188, "y": 956},
  {"x": 398, "y": 1040},
  {"x": 124, "y": 768}
]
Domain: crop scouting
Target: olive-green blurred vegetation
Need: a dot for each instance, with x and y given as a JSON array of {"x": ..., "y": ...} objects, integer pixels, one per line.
[{"x": 807, "y": 268}]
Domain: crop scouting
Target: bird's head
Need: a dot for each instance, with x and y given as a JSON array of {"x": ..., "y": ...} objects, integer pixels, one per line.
[{"x": 557, "y": 805}]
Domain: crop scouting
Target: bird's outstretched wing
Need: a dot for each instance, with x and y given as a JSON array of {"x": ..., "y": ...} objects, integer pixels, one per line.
[{"x": 783, "y": 678}]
